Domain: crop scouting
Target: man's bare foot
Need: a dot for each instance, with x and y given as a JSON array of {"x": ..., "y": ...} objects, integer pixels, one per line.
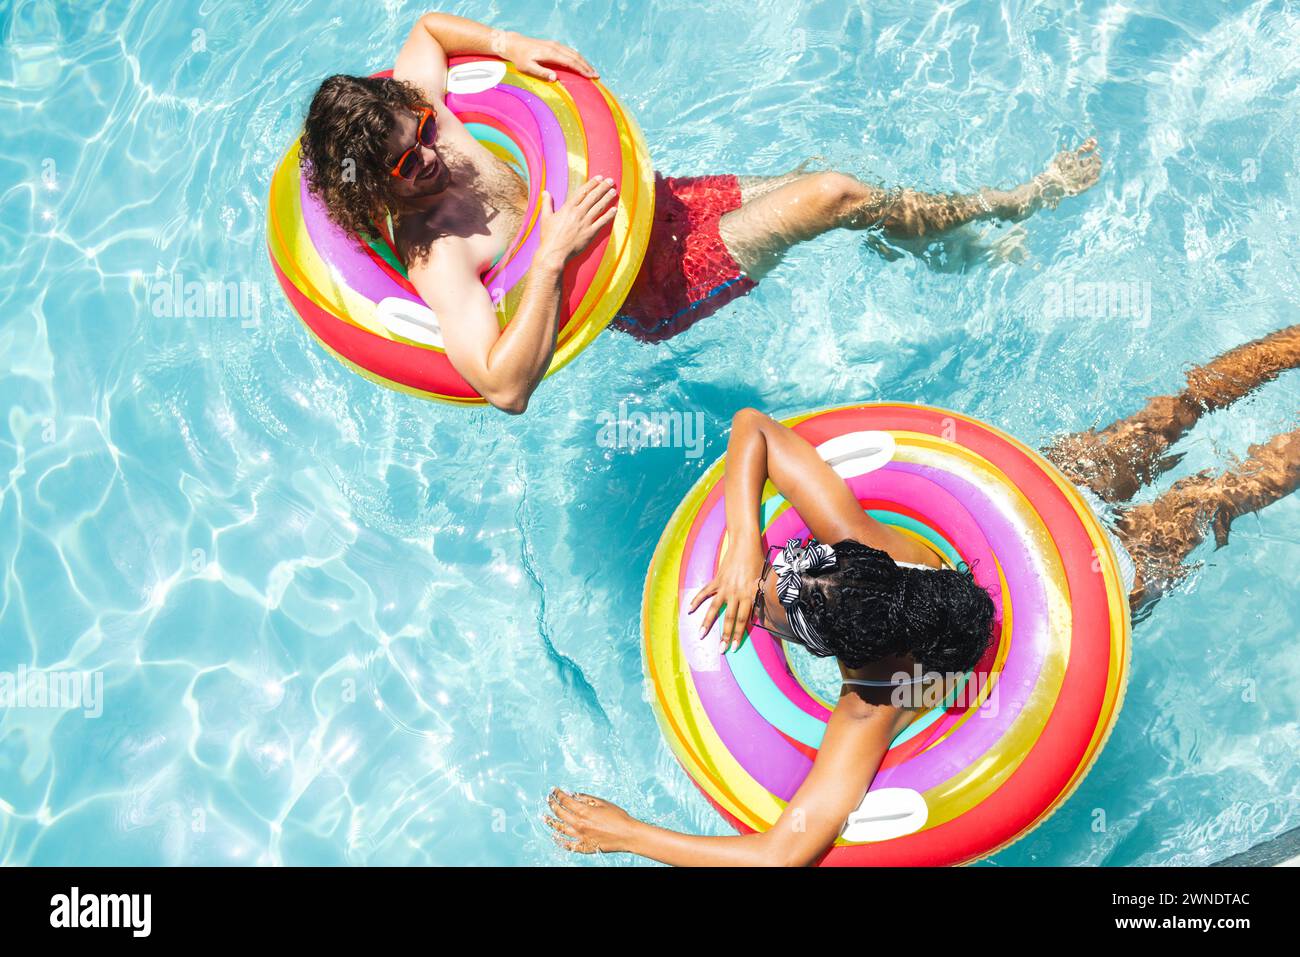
[
  {"x": 1068, "y": 174},
  {"x": 1005, "y": 245}
]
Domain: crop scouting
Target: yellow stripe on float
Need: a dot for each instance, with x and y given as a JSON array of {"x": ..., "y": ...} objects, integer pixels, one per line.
[
  {"x": 686, "y": 726},
  {"x": 298, "y": 258}
]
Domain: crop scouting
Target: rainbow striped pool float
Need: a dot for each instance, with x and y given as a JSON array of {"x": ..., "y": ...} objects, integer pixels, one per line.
[
  {"x": 1001, "y": 752},
  {"x": 353, "y": 293}
]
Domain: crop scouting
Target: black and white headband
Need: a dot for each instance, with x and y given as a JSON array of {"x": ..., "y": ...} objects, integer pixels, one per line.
[{"x": 796, "y": 560}]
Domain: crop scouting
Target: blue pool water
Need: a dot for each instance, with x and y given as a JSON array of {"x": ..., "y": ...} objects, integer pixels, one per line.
[{"x": 340, "y": 625}]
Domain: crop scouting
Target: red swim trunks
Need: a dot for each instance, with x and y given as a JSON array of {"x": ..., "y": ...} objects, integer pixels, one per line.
[{"x": 687, "y": 273}]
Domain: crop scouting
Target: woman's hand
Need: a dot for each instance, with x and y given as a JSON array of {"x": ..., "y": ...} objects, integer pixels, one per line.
[
  {"x": 734, "y": 586},
  {"x": 531, "y": 56},
  {"x": 567, "y": 231},
  {"x": 588, "y": 824}
]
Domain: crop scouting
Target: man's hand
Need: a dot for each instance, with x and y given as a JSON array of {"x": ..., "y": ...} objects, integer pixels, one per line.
[
  {"x": 532, "y": 57},
  {"x": 567, "y": 231}
]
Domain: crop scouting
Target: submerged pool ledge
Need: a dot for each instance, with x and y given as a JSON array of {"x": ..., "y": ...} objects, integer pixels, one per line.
[{"x": 1281, "y": 851}]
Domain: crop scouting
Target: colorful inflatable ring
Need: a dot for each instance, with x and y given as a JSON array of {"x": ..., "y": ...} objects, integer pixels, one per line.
[
  {"x": 994, "y": 759},
  {"x": 353, "y": 293}
]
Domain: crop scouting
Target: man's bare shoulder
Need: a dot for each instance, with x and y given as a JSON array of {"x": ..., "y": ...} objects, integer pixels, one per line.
[
  {"x": 430, "y": 250},
  {"x": 446, "y": 271}
]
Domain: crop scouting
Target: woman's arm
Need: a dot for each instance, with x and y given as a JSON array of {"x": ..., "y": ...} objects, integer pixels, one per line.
[
  {"x": 857, "y": 737},
  {"x": 760, "y": 449},
  {"x": 770, "y": 450}
]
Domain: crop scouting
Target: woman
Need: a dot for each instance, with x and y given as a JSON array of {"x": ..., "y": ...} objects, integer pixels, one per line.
[
  {"x": 387, "y": 156},
  {"x": 876, "y": 601}
]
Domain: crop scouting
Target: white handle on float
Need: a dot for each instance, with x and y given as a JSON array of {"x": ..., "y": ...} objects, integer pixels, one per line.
[
  {"x": 476, "y": 77},
  {"x": 410, "y": 320},
  {"x": 885, "y": 814},
  {"x": 857, "y": 453}
]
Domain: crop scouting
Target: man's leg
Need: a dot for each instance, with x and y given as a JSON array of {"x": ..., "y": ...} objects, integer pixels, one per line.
[
  {"x": 784, "y": 211},
  {"x": 1127, "y": 454},
  {"x": 1160, "y": 535},
  {"x": 752, "y": 187}
]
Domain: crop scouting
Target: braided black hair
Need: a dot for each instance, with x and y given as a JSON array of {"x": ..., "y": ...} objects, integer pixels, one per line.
[{"x": 865, "y": 607}]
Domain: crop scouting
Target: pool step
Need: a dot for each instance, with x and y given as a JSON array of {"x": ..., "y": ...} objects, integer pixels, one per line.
[{"x": 1281, "y": 851}]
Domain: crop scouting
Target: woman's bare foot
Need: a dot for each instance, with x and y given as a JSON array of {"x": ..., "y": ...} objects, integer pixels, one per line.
[
  {"x": 1127, "y": 454},
  {"x": 1068, "y": 174},
  {"x": 1124, "y": 456},
  {"x": 1160, "y": 535}
]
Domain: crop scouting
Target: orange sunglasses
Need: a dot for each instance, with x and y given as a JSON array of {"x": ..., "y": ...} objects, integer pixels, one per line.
[{"x": 425, "y": 135}]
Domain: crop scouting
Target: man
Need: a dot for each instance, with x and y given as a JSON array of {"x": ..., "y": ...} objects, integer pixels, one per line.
[{"x": 376, "y": 148}]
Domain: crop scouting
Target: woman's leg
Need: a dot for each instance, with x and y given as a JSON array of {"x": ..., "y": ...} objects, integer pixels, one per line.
[
  {"x": 1160, "y": 535},
  {"x": 783, "y": 211},
  {"x": 1124, "y": 456}
]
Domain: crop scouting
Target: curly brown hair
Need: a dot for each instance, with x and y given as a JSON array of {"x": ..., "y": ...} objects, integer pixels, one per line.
[{"x": 344, "y": 144}]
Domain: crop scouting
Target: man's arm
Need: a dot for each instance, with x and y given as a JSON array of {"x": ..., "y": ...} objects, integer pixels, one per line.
[
  {"x": 422, "y": 61},
  {"x": 505, "y": 365}
]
